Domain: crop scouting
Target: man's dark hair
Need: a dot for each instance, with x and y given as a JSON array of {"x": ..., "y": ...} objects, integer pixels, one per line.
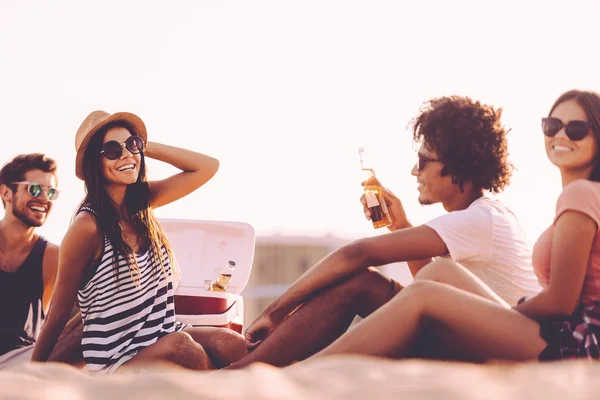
[
  {"x": 15, "y": 170},
  {"x": 469, "y": 140}
]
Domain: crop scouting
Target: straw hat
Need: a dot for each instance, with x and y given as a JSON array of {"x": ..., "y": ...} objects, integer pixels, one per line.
[{"x": 94, "y": 122}]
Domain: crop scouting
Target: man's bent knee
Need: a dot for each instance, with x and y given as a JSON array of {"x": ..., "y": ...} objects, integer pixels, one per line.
[
  {"x": 177, "y": 344},
  {"x": 364, "y": 280},
  {"x": 228, "y": 346}
]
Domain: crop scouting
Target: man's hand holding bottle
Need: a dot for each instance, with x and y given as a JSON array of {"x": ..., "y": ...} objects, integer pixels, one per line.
[{"x": 394, "y": 206}]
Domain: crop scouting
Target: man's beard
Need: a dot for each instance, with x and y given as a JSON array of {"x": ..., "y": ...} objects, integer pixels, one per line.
[{"x": 25, "y": 219}]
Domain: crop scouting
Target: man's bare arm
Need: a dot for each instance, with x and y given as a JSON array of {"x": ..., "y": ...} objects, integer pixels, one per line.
[{"x": 411, "y": 244}]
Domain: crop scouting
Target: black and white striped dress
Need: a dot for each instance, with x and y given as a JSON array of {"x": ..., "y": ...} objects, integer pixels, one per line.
[{"x": 120, "y": 316}]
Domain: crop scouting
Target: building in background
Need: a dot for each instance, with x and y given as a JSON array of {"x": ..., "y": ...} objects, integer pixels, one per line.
[{"x": 279, "y": 260}]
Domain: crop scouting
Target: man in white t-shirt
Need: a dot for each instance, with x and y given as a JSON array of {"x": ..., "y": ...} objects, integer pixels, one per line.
[
  {"x": 487, "y": 239},
  {"x": 463, "y": 154}
]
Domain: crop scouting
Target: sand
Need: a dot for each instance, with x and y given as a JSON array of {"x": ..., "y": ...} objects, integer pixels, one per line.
[{"x": 339, "y": 377}]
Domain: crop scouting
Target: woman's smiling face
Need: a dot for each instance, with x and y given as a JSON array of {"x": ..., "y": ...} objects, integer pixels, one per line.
[
  {"x": 125, "y": 169},
  {"x": 571, "y": 155}
]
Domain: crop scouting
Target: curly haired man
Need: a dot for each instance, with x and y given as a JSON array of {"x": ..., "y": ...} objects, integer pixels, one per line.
[{"x": 463, "y": 153}]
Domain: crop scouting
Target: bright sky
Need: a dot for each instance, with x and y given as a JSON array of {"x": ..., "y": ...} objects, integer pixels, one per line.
[{"x": 283, "y": 93}]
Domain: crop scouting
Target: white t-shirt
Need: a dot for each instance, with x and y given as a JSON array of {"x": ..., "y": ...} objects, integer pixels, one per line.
[{"x": 487, "y": 239}]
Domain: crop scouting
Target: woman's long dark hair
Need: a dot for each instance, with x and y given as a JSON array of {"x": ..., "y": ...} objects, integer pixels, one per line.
[
  {"x": 590, "y": 102},
  {"x": 137, "y": 206}
]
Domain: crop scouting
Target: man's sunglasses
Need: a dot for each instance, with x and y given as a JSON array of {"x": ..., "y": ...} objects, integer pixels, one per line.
[
  {"x": 422, "y": 163},
  {"x": 35, "y": 189},
  {"x": 113, "y": 150},
  {"x": 575, "y": 130}
]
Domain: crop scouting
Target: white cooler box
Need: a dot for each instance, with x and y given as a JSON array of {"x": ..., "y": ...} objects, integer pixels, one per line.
[{"x": 201, "y": 249}]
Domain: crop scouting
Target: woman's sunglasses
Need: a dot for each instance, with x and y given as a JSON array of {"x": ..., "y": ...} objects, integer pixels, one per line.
[
  {"x": 35, "y": 189},
  {"x": 113, "y": 150},
  {"x": 575, "y": 130}
]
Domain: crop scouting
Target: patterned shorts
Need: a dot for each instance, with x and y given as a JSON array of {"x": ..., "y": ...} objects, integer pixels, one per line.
[{"x": 572, "y": 337}]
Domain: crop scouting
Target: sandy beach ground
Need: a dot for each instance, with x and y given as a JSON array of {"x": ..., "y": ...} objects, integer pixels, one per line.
[{"x": 340, "y": 377}]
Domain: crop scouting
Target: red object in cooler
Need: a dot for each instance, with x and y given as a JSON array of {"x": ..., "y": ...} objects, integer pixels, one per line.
[
  {"x": 201, "y": 249},
  {"x": 197, "y": 305}
]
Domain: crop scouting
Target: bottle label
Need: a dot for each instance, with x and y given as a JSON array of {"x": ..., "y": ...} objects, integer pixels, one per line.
[
  {"x": 384, "y": 205},
  {"x": 371, "y": 199}
]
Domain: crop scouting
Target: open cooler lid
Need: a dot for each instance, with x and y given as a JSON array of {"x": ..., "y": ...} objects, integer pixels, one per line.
[{"x": 203, "y": 247}]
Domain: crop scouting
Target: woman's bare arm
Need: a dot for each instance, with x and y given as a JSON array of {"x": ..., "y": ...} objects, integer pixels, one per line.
[
  {"x": 572, "y": 241},
  {"x": 197, "y": 169},
  {"x": 77, "y": 250}
]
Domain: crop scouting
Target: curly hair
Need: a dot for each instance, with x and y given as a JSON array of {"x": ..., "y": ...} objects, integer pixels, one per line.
[
  {"x": 15, "y": 170},
  {"x": 469, "y": 140}
]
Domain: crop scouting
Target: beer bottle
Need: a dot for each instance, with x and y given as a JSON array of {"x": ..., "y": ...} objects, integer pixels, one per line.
[
  {"x": 380, "y": 215},
  {"x": 224, "y": 277}
]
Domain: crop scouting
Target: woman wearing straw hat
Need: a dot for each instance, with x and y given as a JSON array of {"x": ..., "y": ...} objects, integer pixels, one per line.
[{"x": 116, "y": 259}]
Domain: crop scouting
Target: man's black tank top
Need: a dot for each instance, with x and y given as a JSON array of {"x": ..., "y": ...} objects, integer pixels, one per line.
[{"x": 21, "y": 306}]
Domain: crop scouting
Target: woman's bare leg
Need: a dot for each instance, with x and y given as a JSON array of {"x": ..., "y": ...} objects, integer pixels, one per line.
[
  {"x": 222, "y": 345},
  {"x": 453, "y": 274},
  {"x": 177, "y": 349},
  {"x": 432, "y": 343},
  {"x": 478, "y": 328},
  {"x": 330, "y": 312}
]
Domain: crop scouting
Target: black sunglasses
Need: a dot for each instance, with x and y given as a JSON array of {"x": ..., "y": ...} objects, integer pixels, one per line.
[
  {"x": 113, "y": 150},
  {"x": 35, "y": 189},
  {"x": 422, "y": 163},
  {"x": 575, "y": 130}
]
